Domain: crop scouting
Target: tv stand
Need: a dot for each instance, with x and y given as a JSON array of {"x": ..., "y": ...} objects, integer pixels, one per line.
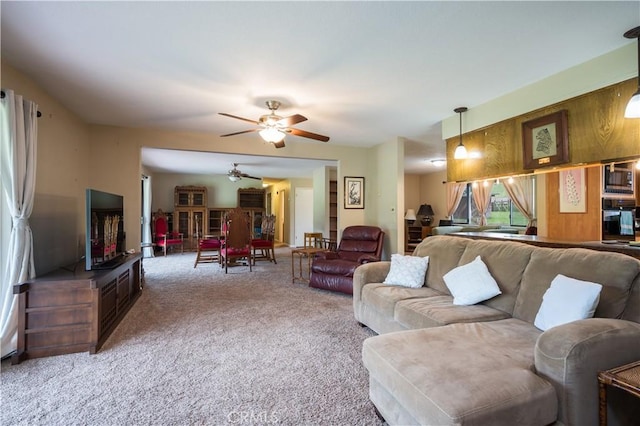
[
  {"x": 65, "y": 311},
  {"x": 110, "y": 264}
]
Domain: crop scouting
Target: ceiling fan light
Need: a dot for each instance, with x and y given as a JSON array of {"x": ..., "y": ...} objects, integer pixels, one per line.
[
  {"x": 633, "y": 107},
  {"x": 271, "y": 134},
  {"x": 234, "y": 178}
]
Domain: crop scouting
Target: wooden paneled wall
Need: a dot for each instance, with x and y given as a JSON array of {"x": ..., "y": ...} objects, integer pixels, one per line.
[
  {"x": 575, "y": 226},
  {"x": 597, "y": 131}
]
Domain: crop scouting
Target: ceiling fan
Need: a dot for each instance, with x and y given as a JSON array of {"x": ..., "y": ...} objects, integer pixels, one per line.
[
  {"x": 274, "y": 128},
  {"x": 235, "y": 175}
]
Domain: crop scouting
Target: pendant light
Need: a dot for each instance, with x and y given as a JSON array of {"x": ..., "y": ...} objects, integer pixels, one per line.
[
  {"x": 460, "y": 152},
  {"x": 633, "y": 107}
]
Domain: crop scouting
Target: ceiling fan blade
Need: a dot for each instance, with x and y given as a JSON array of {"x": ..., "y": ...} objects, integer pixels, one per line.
[
  {"x": 239, "y": 133},
  {"x": 279, "y": 144},
  {"x": 239, "y": 118},
  {"x": 290, "y": 121},
  {"x": 244, "y": 175},
  {"x": 309, "y": 135}
]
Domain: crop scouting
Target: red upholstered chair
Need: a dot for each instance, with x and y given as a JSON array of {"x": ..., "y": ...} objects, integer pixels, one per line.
[
  {"x": 334, "y": 270},
  {"x": 208, "y": 251},
  {"x": 237, "y": 239},
  {"x": 263, "y": 248},
  {"x": 162, "y": 236}
]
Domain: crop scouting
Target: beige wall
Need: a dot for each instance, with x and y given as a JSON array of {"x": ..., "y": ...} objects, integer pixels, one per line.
[
  {"x": 411, "y": 192},
  {"x": 73, "y": 156},
  {"x": 109, "y": 142},
  {"x": 610, "y": 68},
  {"x": 427, "y": 189},
  {"x": 432, "y": 191},
  {"x": 221, "y": 192},
  {"x": 62, "y": 175},
  {"x": 385, "y": 190}
]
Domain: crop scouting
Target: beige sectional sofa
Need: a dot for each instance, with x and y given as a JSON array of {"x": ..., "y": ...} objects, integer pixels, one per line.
[{"x": 436, "y": 363}]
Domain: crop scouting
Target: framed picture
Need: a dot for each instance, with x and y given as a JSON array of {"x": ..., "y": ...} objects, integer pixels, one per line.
[
  {"x": 545, "y": 141},
  {"x": 353, "y": 192},
  {"x": 573, "y": 191}
]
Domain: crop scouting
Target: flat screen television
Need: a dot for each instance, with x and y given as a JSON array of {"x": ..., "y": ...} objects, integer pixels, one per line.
[{"x": 105, "y": 239}]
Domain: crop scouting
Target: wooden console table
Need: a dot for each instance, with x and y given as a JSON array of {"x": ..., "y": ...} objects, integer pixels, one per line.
[
  {"x": 74, "y": 311},
  {"x": 626, "y": 377}
]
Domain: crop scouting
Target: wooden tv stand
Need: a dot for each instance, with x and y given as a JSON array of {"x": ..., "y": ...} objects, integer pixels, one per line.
[{"x": 74, "y": 311}]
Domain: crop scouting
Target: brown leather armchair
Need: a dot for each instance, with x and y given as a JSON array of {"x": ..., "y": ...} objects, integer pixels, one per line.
[{"x": 334, "y": 270}]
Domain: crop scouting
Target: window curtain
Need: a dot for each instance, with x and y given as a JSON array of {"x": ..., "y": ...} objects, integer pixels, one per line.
[
  {"x": 147, "y": 250},
  {"x": 18, "y": 135},
  {"x": 455, "y": 191},
  {"x": 521, "y": 193},
  {"x": 482, "y": 199}
]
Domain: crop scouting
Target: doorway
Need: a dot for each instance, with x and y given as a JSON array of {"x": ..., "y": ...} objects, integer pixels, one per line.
[{"x": 303, "y": 220}]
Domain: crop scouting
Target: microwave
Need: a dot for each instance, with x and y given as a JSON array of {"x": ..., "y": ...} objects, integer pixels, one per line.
[{"x": 618, "y": 180}]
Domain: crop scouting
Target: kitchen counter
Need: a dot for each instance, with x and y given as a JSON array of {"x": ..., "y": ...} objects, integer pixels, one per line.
[{"x": 608, "y": 245}]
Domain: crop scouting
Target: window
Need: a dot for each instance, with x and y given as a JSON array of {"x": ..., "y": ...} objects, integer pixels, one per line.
[{"x": 501, "y": 210}]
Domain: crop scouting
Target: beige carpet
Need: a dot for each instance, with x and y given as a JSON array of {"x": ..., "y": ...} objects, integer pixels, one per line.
[{"x": 204, "y": 348}]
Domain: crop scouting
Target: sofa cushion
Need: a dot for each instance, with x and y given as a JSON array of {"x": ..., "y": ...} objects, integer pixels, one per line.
[
  {"x": 444, "y": 254},
  {"x": 614, "y": 271},
  {"x": 407, "y": 271},
  {"x": 383, "y": 297},
  {"x": 506, "y": 262},
  {"x": 471, "y": 283},
  {"x": 567, "y": 300},
  {"x": 484, "y": 375},
  {"x": 437, "y": 311}
]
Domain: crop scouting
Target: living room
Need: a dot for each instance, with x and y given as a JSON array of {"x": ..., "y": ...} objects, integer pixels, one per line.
[{"x": 75, "y": 152}]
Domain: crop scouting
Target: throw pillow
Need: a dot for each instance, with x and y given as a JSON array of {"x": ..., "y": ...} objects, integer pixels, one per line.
[
  {"x": 471, "y": 283},
  {"x": 567, "y": 300},
  {"x": 407, "y": 271}
]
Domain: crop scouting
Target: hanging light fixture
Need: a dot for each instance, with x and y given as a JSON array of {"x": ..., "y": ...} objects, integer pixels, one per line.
[
  {"x": 633, "y": 107},
  {"x": 461, "y": 152}
]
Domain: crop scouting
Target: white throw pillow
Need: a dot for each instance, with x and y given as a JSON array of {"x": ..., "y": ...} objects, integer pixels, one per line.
[
  {"x": 567, "y": 300},
  {"x": 407, "y": 271},
  {"x": 471, "y": 283}
]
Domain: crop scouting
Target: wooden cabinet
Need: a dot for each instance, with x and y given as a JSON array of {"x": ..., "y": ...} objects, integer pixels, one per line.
[
  {"x": 69, "y": 311},
  {"x": 190, "y": 196},
  {"x": 190, "y": 214},
  {"x": 190, "y": 223},
  {"x": 251, "y": 198},
  {"x": 214, "y": 226},
  {"x": 333, "y": 210},
  {"x": 414, "y": 235}
]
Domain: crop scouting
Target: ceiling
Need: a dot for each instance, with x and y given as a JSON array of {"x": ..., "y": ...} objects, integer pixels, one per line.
[{"x": 363, "y": 73}]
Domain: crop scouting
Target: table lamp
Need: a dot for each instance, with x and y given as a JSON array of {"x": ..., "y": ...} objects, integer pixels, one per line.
[
  {"x": 426, "y": 213},
  {"x": 410, "y": 216}
]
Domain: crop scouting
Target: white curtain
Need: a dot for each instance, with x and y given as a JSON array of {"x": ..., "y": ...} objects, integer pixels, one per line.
[
  {"x": 482, "y": 199},
  {"x": 18, "y": 135},
  {"x": 455, "y": 191},
  {"x": 146, "y": 217},
  {"x": 521, "y": 192}
]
